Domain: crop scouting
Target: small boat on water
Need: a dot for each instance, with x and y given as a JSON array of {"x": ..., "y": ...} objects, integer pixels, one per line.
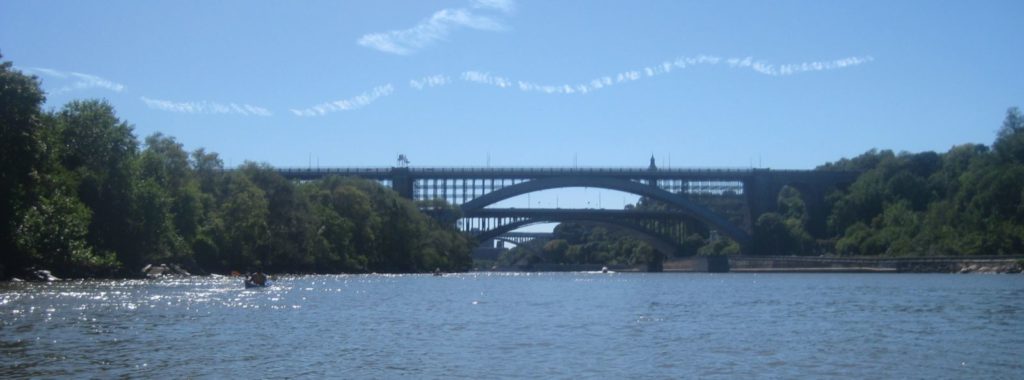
[
  {"x": 604, "y": 270},
  {"x": 257, "y": 280}
]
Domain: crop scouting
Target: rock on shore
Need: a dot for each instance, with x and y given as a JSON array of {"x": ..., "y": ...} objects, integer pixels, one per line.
[
  {"x": 154, "y": 271},
  {"x": 998, "y": 267}
]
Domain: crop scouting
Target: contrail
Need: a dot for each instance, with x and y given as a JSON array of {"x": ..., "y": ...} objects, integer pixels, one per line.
[
  {"x": 431, "y": 81},
  {"x": 661, "y": 69},
  {"x": 436, "y": 28},
  {"x": 356, "y": 102},
  {"x": 81, "y": 81},
  {"x": 204, "y": 107}
]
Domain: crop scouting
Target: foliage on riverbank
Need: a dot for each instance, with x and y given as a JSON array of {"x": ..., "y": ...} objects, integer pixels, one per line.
[
  {"x": 81, "y": 196},
  {"x": 577, "y": 243},
  {"x": 967, "y": 201},
  {"x": 587, "y": 243}
]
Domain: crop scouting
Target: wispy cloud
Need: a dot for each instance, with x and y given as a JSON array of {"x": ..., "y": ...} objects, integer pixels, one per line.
[
  {"x": 437, "y": 27},
  {"x": 506, "y": 6},
  {"x": 205, "y": 107},
  {"x": 486, "y": 78},
  {"x": 78, "y": 81},
  {"x": 359, "y": 101},
  {"x": 431, "y": 81},
  {"x": 660, "y": 69}
]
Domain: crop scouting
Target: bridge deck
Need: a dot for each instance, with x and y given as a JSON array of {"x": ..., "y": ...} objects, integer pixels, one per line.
[
  {"x": 728, "y": 174},
  {"x": 569, "y": 213}
]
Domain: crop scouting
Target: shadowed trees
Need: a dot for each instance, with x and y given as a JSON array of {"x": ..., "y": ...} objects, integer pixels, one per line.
[
  {"x": 80, "y": 197},
  {"x": 969, "y": 200}
]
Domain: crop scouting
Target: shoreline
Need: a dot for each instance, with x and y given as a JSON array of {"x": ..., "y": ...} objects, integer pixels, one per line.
[
  {"x": 820, "y": 264},
  {"x": 735, "y": 264}
]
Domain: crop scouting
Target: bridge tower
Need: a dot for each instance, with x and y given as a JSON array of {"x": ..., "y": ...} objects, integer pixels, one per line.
[{"x": 402, "y": 182}]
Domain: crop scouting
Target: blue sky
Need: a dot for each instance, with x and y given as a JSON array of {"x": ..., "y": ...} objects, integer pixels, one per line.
[{"x": 779, "y": 84}]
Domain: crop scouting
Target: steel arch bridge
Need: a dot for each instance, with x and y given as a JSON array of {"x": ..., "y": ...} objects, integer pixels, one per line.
[
  {"x": 665, "y": 230},
  {"x": 726, "y": 200},
  {"x": 520, "y": 238}
]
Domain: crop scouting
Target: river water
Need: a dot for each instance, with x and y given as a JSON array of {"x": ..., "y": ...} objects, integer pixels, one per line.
[{"x": 504, "y": 325}]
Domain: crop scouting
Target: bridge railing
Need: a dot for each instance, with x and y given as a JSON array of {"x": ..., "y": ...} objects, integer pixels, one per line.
[
  {"x": 578, "y": 169},
  {"x": 374, "y": 170},
  {"x": 530, "y": 169},
  {"x": 522, "y": 169}
]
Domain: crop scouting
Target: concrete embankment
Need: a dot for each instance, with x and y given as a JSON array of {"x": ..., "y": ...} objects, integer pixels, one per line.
[
  {"x": 806, "y": 264},
  {"x": 989, "y": 264}
]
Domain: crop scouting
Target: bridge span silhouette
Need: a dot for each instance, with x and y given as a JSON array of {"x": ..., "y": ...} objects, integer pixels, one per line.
[{"x": 726, "y": 202}]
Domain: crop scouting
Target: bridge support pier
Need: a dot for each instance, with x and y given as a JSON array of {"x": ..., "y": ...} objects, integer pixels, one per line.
[
  {"x": 402, "y": 182},
  {"x": 763, "y": 188}
]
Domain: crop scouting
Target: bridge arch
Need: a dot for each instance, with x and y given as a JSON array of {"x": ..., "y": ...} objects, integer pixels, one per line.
[
  {"x": 695, "y": 210},
  {"x": 661, "y": 243},
  {"x": 510, "y": 241},
  {"x": 531, "y": 245}
]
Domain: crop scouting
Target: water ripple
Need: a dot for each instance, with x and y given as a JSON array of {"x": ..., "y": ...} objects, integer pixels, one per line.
[{"x": 514, "y": 325}]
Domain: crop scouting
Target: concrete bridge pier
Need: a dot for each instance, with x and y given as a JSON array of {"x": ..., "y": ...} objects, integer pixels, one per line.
[{"x": 402, "y": 182}]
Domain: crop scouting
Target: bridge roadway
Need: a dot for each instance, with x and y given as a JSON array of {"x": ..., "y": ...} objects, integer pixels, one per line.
[
  {"x": 529, "y": 235},
  {"x": 525, "y": 238},
  {"x": 573, "y": 214},
  {"x": 664, "y": 229},
  {"x": 386, "y": 173}
]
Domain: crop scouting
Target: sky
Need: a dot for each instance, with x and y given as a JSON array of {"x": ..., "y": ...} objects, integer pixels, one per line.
[{"x": 738, "y": 84}]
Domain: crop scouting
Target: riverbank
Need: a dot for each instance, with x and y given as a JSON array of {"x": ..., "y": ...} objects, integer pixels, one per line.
[
  {"x": 804, "y": 264},
  {"x": 718, "y": 264},
  {"x": 988, "y": 264}
]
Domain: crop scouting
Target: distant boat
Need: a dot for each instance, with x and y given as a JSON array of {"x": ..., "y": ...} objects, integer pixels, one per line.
[
  {"x": 257, "y": 280},
  {"x": 604, "y": 270}
]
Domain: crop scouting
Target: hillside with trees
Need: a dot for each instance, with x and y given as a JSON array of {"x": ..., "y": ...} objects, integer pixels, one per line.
[
  {"x": 968, "y": 201},
  {"x": 81, "y": 196}
]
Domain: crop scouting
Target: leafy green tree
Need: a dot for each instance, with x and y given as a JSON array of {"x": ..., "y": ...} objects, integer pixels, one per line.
[
  {"x": 99, "y": 151},
  {"x": 966, "y": 201},
  {"x": 169, "y": 201},
  {"x": 1009, "y": 144},
  {"x": 246, "y": 236},
  {"x": 53, "y": 234},
  {"x": 22, "y": 152},
  {"x": 556, "y": 249}
]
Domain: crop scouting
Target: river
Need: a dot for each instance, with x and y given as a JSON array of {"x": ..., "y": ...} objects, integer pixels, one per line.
[{"x": 517, "y": 325}]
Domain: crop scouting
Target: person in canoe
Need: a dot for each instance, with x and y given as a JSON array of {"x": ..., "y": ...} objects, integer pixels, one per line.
[{"x": 256, "y": 279}]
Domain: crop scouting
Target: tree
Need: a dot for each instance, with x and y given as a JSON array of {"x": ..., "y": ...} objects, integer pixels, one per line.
[
  {"x": 246, "y": 239},
  {"x": 99, "y": 151},
  {"x": 22, "y": 154},
  {"x": 169, "y": 197},
  {"x": 556, "y": 249},
  {"x": 1009, "y": 144}
]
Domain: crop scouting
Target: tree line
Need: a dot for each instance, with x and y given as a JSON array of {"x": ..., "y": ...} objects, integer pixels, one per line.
[
  {"x": 966, "y": 201},
  {"x": 81, "y": 196}
]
